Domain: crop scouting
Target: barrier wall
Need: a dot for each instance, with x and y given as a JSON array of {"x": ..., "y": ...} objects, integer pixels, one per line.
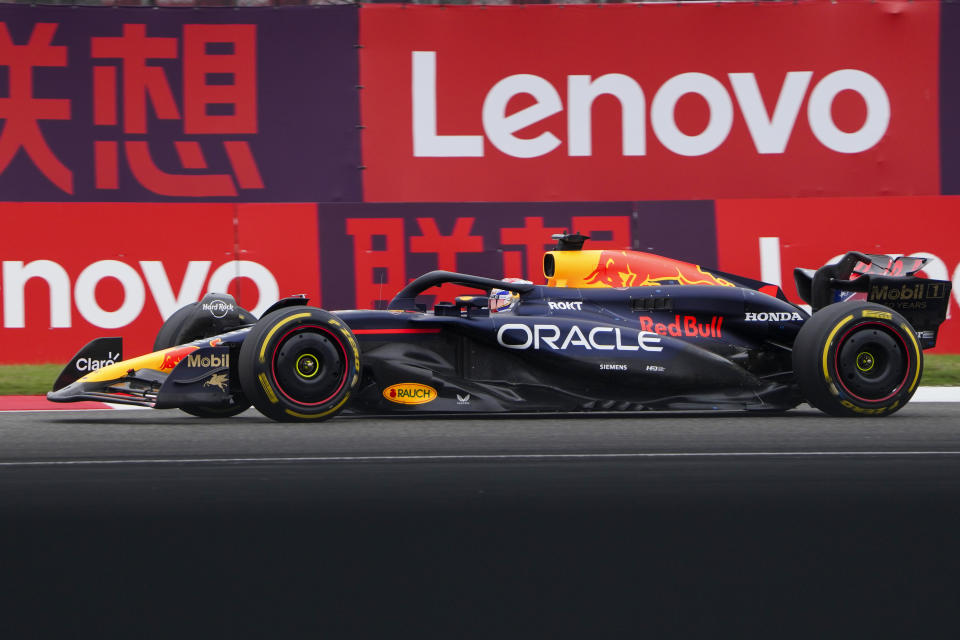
[
  {"x": 150, "y": 105},
  {"x": 650, "y": 102},
  {"x": 148, "y": 155},
  {"x": 107, "y": 269},
  {"x": 766, "y": 239}
]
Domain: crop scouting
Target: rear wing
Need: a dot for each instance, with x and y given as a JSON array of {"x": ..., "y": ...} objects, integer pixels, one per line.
[{"x": 883, "y": 280}]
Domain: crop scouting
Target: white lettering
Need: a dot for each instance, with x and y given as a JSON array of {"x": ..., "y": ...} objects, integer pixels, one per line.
[
  {"x": 565, "y": 305},
  {"x": 821, "y": 118},
  {"x": 770, "y": 260},
  {"x": 623, "y": 347},
  {"x": 662, "y": 112},
  {"x": 507, "y": 337},
  {"x": 15, "y": 277},
  {"x": 85, "y": 293},
  {"x": 772, "y": 316},
  {"x": 88, "y": 364},
  {"x": 593, "y": 338},
  {"x": 648, "y": 341},
  {"x": 426, "y": 141},
  {"x": 548, "y": 340},
  {"x": 528, "y": 335},
  {"x": 770, "y": 135},
  {"x": 575, "y": 337},
  {"x": 501, "y": 127},
  {"x": 581, "y": 92},
  {"x": 162, "y": 291}
]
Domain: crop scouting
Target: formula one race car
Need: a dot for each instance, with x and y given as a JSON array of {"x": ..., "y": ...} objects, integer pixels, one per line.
[{"x": 610, "y": 331}]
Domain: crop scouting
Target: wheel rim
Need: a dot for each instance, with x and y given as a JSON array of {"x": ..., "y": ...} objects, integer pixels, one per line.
[
  {"x": 872, "y": 362},
  {"x": 309, "y": 365}
]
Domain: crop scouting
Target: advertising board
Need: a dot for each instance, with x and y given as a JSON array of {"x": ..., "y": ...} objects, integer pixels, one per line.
[
  {"x": 649, "y": 102},
  {"x": 949, "y": 98},
  {"x": 370, "y": 251},
  {"x": 766, "y": 239},
  {"x": 127, "y": 104},
  {"x": 99, "y": 269}
]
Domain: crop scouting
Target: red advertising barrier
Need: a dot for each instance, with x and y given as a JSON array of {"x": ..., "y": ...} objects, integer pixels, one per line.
[
  {"x": 649, "y": 102},
  {"x": 766, "y": 239},
  {"x": 370, "y": 251},
  {"x": 130, "y": 104},
  {"x": 73, "y": 272}
]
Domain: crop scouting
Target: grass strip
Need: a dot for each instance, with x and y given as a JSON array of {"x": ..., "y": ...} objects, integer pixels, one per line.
[
  {"x": 27, "y": 379},
  {"x": 36, "y": 379}
]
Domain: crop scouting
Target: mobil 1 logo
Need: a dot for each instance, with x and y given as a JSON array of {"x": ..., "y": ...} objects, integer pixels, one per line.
[{"x": 916, "y": 294}]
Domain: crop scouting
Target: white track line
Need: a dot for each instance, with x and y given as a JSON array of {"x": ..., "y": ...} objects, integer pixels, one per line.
[
  {"x": 522, "y": 457},
  {"x": 936, "y": 394}
]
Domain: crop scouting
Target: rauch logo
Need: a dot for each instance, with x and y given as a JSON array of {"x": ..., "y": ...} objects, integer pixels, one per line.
[{"x": 410, "y": 393}]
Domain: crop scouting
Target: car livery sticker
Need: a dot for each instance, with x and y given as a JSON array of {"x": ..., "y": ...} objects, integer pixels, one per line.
[{"x": 410, "y": 393}]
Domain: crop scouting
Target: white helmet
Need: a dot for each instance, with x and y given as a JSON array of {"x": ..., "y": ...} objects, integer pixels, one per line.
[{"x": 503, "y": 299}]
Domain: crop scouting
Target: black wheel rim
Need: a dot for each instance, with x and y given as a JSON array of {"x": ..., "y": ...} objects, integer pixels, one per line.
[
  {"x": 872, "y": 362},
  {"x": 309, "y": 365}
]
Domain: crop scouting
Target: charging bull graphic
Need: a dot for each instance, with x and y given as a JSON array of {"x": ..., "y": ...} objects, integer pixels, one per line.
[
  {"x": 628, "y": 269},
  {"x": 172, "y": 357}
]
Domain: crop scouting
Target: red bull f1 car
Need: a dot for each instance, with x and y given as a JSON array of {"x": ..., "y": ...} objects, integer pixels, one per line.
[{"x": 609, "y": 331}]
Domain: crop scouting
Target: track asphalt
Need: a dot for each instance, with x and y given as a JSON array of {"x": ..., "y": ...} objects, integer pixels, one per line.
[{"x": 156, "y": 524}]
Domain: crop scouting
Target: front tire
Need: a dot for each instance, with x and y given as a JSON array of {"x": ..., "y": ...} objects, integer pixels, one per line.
[
  {"x": 173, "y": 332},
  {"x": 857, "y": 359},
  {"x": 299, "y": 364}
]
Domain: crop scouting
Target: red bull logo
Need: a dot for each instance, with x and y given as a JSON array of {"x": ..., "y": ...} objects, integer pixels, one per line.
[
  {"x": 636, "y": 269},
  {"x": 688, "y": 326},
  {"x": 172, "y": 357}
]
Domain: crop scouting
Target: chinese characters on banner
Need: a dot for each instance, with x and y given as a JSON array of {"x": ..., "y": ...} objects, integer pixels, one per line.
[
  {"x": 208, "y": 104},
  {"x": 219, "y": 97},
  {"x": 369, "y": 252}
]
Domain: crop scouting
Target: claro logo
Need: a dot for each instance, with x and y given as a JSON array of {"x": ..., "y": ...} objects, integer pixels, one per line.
[
  {"x": 770, "y": 131},
  {"x": 17, "y": 274}
]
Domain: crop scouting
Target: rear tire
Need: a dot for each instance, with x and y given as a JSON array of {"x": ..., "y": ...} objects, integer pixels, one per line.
[
  {"x": 299, "y": 364},
  {"x": 857, "y": 359}
]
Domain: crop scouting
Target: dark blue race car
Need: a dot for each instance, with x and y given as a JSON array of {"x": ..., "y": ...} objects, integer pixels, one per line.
[{"x": 610, "y": 331}]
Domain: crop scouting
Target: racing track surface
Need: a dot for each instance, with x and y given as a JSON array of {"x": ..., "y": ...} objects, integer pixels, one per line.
[{"x": 143, "y": 523}]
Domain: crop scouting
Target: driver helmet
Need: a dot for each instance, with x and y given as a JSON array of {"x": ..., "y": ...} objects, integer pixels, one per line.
[{"x": 504, "y": 300}]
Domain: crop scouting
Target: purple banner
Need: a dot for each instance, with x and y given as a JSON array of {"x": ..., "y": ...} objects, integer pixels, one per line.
[
  {"x": 949, "y": 99},
  {"x": 368, "y": 252},
  {"x": 147, "y": 104}
]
